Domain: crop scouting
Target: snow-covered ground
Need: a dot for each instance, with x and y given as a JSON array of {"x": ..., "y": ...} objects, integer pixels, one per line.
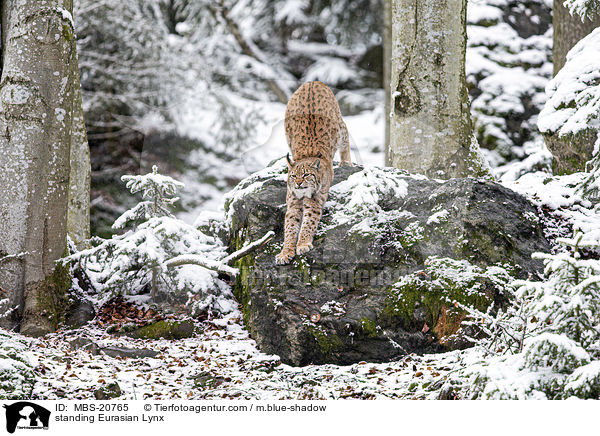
[{"x": 221, "y": 362}]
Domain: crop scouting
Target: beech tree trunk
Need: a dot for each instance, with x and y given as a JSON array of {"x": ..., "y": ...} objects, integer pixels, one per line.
[
  {"x": 78, "y": 216},
  {"x": 37, "y": 97},
  {"x": 568, "y": 31},
  {"x": 430, "y": 123},
  {"x": 387, "y": 65}
]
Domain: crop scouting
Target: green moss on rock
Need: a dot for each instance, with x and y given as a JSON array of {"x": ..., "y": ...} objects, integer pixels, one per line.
[
  {"x": 328, "y": 343},
  {"x": 369, "y": 327},
  {"x": 437, "y": 289},
  {"x": 166, "y": 329}
]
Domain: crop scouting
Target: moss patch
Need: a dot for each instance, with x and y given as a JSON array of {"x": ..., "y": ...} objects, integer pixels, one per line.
[
  {"x": 439, "y": 290},
  {"x": 369, "y": 327},
  {"x": 52, "y": 298},
  {"x": 166, "y": 329},
  {"x": 328, "y": 343}
]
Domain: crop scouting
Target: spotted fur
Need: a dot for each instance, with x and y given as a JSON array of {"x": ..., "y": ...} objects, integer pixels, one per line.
[{"x": 315, "y": 131}]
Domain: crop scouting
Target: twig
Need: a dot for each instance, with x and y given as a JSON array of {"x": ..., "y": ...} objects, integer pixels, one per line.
[
  {"x": 223, "y": 265},
  {"x": 12, "y": 256},
  {"x": 194, "y": 259},
  {"x": 248, "y": 248}
]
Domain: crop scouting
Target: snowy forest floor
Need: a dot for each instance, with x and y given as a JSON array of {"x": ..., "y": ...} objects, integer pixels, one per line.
[{"x": 221, "y": 362}]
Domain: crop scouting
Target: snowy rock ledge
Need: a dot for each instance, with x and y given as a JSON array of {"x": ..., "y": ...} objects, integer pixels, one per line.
[{"x": 394, "y": 257}]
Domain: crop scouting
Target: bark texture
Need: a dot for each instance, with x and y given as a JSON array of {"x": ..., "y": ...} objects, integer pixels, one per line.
[
  {"x": 387, "y": 65},
  {"x": 36, "y": 106},
  {"x": 430, "y": 123},
  {"x": 78, "y": 218},
  {"x": 568, "y": 31}
]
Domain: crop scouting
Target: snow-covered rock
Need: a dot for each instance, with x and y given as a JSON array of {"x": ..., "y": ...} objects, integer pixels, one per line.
[{"x": 392, "y": 254}]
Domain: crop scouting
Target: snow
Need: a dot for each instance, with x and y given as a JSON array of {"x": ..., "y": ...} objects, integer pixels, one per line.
[
  {"x": 507, "y": 73},
  {"x": 359, "y": 194},
  {"x": 332, "y": 71},
  {"x": 292, "y": 12},
  {"x": 225, "y": 353},
  {"x": 583, "y": 8},
  {"x": 584, "y": 379},
  {"x": 573, "y": 103},
  {"x": 438, "y": 217},
  {"x": 241, "y": 133}
]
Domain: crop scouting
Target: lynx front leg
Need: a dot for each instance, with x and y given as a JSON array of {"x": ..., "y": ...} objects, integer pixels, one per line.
[
  {"x": 310, "y": 220},
  {"x": 344, "y": 145},
  {"x": 292, "y": 223}
]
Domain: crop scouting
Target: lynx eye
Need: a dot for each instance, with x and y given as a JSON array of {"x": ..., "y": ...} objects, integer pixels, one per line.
[{"x": 293, "y": 176}]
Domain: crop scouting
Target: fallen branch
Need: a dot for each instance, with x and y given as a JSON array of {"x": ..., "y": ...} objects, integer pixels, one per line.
[
  {"x": 194, "y": 259},
  {"x": 248, "y": 248},
  {"x": 223, "y": 265}
]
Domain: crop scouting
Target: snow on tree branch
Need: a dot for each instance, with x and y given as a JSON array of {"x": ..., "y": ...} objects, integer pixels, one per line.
[
  {"x": 583, "y": 8},
  {"x": 221, "y": 266},
  {"x": 573, "y": 96}
]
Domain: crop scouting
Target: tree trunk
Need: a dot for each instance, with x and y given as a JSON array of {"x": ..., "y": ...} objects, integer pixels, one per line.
[
  {"x": 568, "y": 31},
  {"x": 430, "y": 126},
  {"x": 387, "y": 65},
  {"x": 570, "y": 152},
  {"x": 36, "y": 106},
  {"x": 78, "y": 216}
]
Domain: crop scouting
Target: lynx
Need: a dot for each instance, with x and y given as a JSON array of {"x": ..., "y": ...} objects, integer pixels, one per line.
[{"x": 314, "y": 130}]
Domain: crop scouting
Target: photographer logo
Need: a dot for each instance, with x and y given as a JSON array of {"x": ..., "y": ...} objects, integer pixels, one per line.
[{"x": 26, "y": 415}]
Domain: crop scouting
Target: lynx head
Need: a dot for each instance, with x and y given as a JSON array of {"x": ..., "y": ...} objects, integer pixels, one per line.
[{"x": 304, "y": 178}]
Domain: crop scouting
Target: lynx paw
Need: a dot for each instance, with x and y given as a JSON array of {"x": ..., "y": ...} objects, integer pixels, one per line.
[
  {"x": 303, "y": 248},
  {"x": 284, "y": 257}
]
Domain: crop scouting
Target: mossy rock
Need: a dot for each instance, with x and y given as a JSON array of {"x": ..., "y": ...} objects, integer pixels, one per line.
[
  {"x": 108, "y": 392},
  {"x": 165, "y": 329},
  {"x": 369, "y": 289}
]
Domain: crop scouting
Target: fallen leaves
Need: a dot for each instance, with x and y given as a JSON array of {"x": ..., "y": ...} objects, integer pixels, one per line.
[{"x": 118, "y": 312}]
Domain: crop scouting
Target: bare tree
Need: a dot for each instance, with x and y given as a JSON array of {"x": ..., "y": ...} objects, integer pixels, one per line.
[
  {"x": 37, "y": 97},
  {"x": 430, "y": 123}
]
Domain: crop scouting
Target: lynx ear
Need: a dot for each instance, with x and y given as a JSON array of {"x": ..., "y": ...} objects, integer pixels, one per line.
[
  {"x": 317, "y": 164},
  {"x": 289, "y": 161}
]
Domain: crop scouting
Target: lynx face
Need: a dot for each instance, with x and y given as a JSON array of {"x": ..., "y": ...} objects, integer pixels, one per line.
[{"x": 304, "y": 178}]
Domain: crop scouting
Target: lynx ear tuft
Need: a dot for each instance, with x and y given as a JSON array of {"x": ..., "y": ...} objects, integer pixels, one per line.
[
  {"x": 289, "y": 161},
  {"x": 317, "y": 164}
]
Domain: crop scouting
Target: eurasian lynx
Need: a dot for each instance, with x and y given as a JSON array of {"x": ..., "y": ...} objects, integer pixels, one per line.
[{"x": 315, "y": 130}]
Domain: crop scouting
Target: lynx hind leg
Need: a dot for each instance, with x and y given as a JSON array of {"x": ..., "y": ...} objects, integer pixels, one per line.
[
  {"x": 344, "y": 145},
  {"x": 310, "y": 220},
  {"x": 292, "y": 223}
]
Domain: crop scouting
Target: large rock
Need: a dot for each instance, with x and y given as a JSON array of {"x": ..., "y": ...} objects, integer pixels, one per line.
[{"x": 393, "y": 257}]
